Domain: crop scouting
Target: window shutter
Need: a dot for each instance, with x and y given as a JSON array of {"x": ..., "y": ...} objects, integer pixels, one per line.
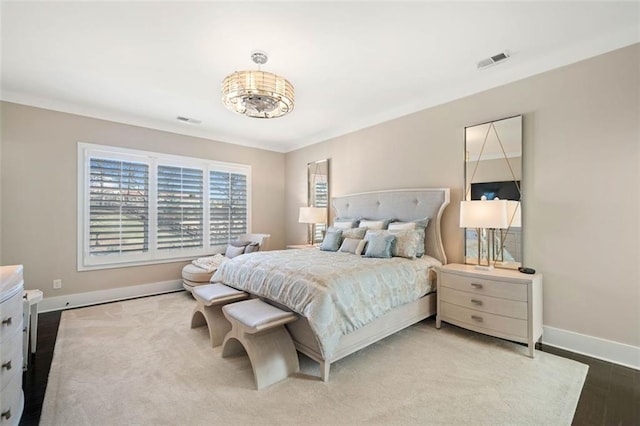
[
  {"x": 118, "y": 207},
  {"x": 322, "y": 200},
  {"x": 180, "y": 207},
  {"x": 228, "y": 209}
]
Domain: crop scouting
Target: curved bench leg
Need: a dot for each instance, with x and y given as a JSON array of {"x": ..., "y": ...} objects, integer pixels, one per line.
[
  {"x": 215, "y": 320},
  {"x": 272, "y": 354},
  {"x": 197, "y": 318}
]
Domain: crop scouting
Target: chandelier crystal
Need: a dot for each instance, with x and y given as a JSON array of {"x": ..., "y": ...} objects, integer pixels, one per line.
[{"x": 258, "y": 94}]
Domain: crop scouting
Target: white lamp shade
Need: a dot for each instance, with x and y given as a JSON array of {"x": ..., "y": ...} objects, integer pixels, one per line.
[
  {"x": 514, "y": 213},
  {"x": 484, "y": 214},
  {"x": 312, "y": 215}
]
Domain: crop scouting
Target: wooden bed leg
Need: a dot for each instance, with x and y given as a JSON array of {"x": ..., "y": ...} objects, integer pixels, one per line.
[{"x": 324, "y": 370}]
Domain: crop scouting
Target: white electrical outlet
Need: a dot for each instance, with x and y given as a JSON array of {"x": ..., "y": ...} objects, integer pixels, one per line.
[{"x": 57, "y": 283}]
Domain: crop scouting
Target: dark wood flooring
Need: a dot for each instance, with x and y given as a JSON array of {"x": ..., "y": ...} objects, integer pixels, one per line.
[{"x": 610, "y": 396}]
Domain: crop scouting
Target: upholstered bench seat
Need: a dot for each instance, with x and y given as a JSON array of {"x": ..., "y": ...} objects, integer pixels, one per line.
[
  {"x": 196, "y": 274},
  {"x": 208, "y": 311},
  {"x": 258, "y": 329}
]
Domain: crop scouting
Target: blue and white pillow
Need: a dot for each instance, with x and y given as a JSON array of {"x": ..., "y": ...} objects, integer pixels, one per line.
[
  {"x": 332, "y": 240},
  {"x": 379, "y": 244},
  {"x": 419, "y": 225}
]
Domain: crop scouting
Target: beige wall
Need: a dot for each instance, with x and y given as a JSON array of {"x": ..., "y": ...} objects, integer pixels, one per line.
[
  {"x": 39, "y": 182},
  {"x": 581, "y": 175}
]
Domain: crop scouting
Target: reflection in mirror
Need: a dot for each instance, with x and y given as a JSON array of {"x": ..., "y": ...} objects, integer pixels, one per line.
[
  {"x": 318, "y": 193},
  {"x": 493, "y": 169}
]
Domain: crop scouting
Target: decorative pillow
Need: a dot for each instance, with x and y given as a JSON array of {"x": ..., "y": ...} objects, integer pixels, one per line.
[
  {"x": 233, "y": 251},
  {"x": 239, "y": 243},
  {"x": 332, "y": 240},
  {"x": 355, "y": 233},
  {"x": 419, "y": 225},
  {"x": 251, "y": 247},
  {"x": 407, "y": 243},
  {"x": 345, "y": 223},
  {"x": 372, "y": 225},
  {"x": 380, "y": 244},
  {"x": 353, "y": 245},
  {"x": 376, "y": 224}
]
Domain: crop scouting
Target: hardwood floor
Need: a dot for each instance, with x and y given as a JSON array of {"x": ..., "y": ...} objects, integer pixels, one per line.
[
  {"x": 34, "y": 380},
  {"x": 610, "y": 396}
]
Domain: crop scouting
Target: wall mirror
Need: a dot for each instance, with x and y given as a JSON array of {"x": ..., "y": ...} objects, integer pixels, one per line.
[
  {"x": 318, "y": 193},
  {"x": 493, "y": 169}
]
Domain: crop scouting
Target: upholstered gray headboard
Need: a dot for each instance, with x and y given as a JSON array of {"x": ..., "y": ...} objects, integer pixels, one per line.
[{"x": 403, "y": 205}]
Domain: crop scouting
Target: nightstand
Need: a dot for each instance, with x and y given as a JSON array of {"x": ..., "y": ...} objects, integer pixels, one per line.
[
  {"x": 500, "y": 302},
  {"x": 302, "y": 246}
]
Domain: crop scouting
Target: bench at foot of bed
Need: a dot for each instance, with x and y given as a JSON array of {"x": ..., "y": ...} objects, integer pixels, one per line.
[
  {"x": 210, "y": 299},
  {"x": 257, "y": 328}
]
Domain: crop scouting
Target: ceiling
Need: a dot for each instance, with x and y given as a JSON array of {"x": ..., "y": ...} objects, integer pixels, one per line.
[{"x": 353, "y": 64}]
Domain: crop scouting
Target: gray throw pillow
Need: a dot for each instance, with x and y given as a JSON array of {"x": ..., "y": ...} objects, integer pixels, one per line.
[
  {"x": 233, "y": 251},
  {"x": 355, "y": 233},
  {"x": 332, "y": 240},
  {"x": 251, "y": 247}
]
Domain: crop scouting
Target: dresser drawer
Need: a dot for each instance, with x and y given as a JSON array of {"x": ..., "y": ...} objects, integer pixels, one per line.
[
  {"x": 480, "y": 302},
  {"x": 491, "y": 322},
  {"x": 12, "y": 402},
  {"x": 10, "y": 359},
  {"x": 505, "y": 290},
  {"x": 10, "y": 316}
]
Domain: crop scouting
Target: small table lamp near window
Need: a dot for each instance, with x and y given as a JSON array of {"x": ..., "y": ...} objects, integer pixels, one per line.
[
  {"x": 486, "y": 217},
  {"x": 312, "y": 216}
]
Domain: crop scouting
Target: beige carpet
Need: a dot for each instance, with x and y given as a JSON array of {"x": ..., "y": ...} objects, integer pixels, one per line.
[{"x": 138, "y": 363}]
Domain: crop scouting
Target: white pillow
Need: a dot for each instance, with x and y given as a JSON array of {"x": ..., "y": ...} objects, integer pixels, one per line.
[
  {"x": 372, "y": 225},
  {"x": 343, "y": 225},
  {"x": 353, "y": 245},
  {"x": 402, "y": 226}
]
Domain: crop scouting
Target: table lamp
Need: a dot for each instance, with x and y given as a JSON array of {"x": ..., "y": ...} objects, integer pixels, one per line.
[
  {"x": 486, "y": 216},
  {"x": 312, "y": 216}
]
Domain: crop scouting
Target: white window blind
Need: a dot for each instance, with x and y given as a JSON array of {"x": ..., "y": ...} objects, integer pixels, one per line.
[
  {"x": 180, "y": 207},
  {"x": 321, "y": 200},
  {"x": 228, "y": 211},
  {"x": 138, "y": 207},
  {"x": 118, "y": 207}
]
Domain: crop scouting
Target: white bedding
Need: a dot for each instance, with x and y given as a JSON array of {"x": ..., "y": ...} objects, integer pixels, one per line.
[{"x": 337, "y": 292}]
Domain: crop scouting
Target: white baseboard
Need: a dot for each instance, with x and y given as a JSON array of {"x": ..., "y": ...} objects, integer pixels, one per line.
[
  {"x": 77, "y": 300},
  {"x": 594, "y": 347}
]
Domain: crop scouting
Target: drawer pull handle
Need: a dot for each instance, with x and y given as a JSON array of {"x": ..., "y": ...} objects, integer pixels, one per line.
[
  {"x": 7, "y": 321},
  {"x": 7, "y": 365},
  {"x": 6, "y": 414},
  {"x": 476, "y": 318},
  {"x": 476, "y": 285},
  {"x": 476, "y": 302}
]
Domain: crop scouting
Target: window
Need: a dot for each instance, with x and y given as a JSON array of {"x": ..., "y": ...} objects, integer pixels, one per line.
[{"x": 139, "y": 207}]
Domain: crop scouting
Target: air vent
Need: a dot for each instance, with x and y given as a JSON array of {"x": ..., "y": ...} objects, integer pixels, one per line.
[
  {"x": 188, "y": 120},
  {"x": 495, "y": 59}
]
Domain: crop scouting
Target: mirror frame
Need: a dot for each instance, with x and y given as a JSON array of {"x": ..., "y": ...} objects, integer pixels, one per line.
[
  {"x": 317, "y": 195},
  {"x": 506, "y": 153}
]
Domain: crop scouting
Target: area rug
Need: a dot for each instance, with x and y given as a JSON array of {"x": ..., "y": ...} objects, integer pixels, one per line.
[{"x": 137, "y": 362}]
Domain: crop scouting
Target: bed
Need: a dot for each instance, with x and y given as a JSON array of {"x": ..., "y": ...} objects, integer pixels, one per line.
[{"x": 346, "y": 302}]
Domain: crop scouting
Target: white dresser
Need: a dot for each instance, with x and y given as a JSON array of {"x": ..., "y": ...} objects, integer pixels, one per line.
[
  {"x": 500, "y": 302},
  {"x": 11, "y": 339}
]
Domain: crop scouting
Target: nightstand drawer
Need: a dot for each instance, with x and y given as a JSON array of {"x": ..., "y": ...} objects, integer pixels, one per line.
[
  {"x": 479, "y": 302},
  {"x": 11, "y": 316},
  {"x": 10, "y": 359},
  {"x": 505, "y": 325},
  {"x": 505, "y": 290}
]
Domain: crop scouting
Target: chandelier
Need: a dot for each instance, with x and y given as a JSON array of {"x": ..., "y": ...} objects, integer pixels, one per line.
[{"x": 257, "y": 94}]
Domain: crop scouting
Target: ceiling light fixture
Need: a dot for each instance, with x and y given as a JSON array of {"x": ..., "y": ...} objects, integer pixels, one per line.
[{"x": 257, "y": 94}]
